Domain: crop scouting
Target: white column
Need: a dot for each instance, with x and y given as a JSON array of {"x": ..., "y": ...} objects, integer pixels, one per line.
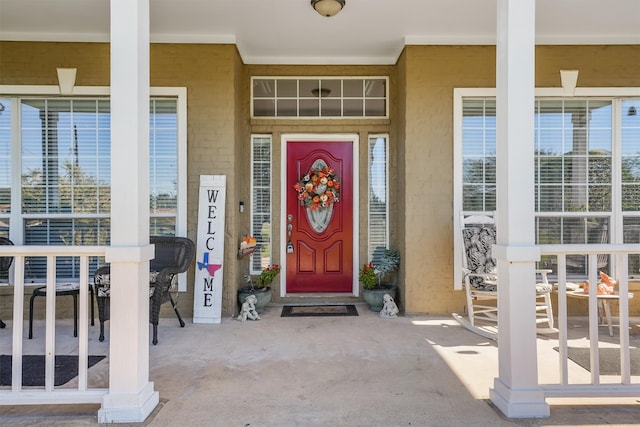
[
  {"x": 516, "y": 392},
  {"x": 131, "y": 396}
]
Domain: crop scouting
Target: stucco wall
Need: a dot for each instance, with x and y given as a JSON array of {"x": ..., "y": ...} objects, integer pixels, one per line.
[
  {"x": 420, "y": 128},
  {"x": 431, "y": 73},
  {"x": 209, "y": 72}
]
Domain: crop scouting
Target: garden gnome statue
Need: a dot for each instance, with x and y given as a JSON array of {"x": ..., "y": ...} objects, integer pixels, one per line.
[
  {"x": 248, "y": 309},
  {"x": 389, "y": 309}
]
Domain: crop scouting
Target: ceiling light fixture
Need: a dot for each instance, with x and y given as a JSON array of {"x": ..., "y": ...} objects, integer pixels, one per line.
[
  {"x": 327, "y": 8},
  {"x": 320, "y": 92}
]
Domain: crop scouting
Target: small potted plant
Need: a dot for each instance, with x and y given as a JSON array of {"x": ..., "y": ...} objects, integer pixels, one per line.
[
  {"x": 384, "y": 262},
  {"x": 261, "y": 288}
]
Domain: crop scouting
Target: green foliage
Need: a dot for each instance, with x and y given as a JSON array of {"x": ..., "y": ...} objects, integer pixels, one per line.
[
  {"x": 367, "y": 276},
  {"x": 267, "y": 276}
]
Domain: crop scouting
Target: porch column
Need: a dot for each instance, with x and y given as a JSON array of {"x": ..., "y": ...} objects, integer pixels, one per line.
[
  {"x": 516, "y": 392},
  {"x": 131, "y": 396}
]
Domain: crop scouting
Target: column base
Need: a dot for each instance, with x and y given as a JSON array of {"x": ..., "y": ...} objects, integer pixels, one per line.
[
  {"x": 523, "y": 403},
  {"x": 128, "y": 408}
]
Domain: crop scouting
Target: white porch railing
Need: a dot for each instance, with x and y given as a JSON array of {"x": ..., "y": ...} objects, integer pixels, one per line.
[
  {"x": 18, "y": 395},
  {"x": 626, "y": 385}
]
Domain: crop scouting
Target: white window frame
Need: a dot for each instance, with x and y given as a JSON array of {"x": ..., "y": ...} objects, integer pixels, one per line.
[
  {"x": 16, "y": 233},
  {"x": 459, "y": 94}
]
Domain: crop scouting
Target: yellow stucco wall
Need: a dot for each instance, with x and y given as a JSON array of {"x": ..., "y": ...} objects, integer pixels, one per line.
[
  {"x": 431, "y": 73},
  {"x": 420, "y": 128}
]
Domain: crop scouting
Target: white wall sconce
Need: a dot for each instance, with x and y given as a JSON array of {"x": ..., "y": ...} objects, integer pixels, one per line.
[
  {"x": 327, "y": 8},
  {"x": 66, "y": 80},
  {"x": 569, "y": 80}
]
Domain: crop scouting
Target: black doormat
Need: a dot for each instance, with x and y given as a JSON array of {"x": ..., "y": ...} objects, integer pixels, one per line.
[
  {"x": 318, "y": 310},
  {"x": 609, "y": 359},
  {"x": 66, "y": 368}
]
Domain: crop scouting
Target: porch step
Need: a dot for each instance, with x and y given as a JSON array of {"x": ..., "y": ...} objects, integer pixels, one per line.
[{"x": 318, "y": 299}]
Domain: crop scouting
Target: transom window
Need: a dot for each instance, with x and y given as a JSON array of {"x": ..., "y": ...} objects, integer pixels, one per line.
[
  {"x": 319, "y": 97},
  {"x": 587, "y": 171}
]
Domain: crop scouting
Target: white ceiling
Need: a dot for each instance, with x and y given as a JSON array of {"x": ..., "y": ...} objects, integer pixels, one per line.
[{"x": 291, "y": 32}]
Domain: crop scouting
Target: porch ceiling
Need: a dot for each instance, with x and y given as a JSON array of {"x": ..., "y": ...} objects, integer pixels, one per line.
[{"x": 291, "y": 32}]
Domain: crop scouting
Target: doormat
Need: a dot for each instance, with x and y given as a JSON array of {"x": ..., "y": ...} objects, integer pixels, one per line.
[
  {"x": 609, "y": 359},
  {"x": 66, "y": 368},
  {"x": 318, "y": 310}
]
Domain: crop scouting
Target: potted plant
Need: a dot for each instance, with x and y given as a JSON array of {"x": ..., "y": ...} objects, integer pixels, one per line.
[
  {"x": 261, "y": 288},
  {"x": 385, "y": 261}
]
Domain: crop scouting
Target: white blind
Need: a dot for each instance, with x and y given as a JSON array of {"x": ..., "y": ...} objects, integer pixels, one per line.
[
  {"x": 479, "y": 155},
  {"x": 5, "y": 165},
  {"x": 163, "y": 167},
  {"x": 261, "y": 194},
  {"x": 66, "y": 158},
  {"x": 378, "y": 194},
  {"x": 630, "y": 178}
]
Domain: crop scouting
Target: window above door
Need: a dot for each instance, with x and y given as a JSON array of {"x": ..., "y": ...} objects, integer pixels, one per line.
[{"x": 319, "y": 97}]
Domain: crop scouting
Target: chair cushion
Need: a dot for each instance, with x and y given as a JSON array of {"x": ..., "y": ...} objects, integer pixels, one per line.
[
  {"x": 543, "y": 288},
  {"x": 102, "y": 283},
  {"x": 477, "y": 245}
]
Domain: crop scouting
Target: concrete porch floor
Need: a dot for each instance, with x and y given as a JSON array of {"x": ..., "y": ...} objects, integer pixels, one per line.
[{"x": 322, "y": 371}]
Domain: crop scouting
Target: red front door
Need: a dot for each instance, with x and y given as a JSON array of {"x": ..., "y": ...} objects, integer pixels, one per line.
[{"x": 320, "y": 232}]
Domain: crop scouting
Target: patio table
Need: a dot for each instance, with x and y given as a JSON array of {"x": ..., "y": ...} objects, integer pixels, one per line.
[{"x": 604, "y": 304}]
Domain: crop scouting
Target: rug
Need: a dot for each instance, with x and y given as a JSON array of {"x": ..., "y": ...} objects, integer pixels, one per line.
[
  {"x": 318, "y": 310},
  {"x": 609, "y": 359},
  {"x": 66, "y": 368}
]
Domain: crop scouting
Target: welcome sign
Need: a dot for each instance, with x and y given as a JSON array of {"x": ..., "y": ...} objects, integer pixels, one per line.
[{"x": 207, "y": 294}]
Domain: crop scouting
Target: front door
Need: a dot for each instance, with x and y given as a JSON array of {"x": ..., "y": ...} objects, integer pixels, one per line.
[{"x": 319, "y": 216}]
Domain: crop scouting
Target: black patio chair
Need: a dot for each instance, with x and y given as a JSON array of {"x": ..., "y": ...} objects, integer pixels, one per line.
[
  {"x": 5, "y": 263},
  {"x": 173, "y": 255}
]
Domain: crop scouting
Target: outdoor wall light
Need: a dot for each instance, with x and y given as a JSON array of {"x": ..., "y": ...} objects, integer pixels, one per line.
[
  {"x": 327, "y": 8},
  {"x": 632, "y": 111}
]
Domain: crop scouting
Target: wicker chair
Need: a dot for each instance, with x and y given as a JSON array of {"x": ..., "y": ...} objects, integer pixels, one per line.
[
  {"x": 5, "y": 263},
  {"x": 173, "y": 255}
]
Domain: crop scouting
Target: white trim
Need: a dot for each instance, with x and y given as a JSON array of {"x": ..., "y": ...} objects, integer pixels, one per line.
[
  {"x": 16, "y": 234},
  {"x": 181, "y": 208},
  {"x": 457, "y": 187},
  {"x": 103, "y": 37},
  {"x": 354, "y": 139},
  {"x": 318, "y": 60},
  {"x": 48, "y": 90}
]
